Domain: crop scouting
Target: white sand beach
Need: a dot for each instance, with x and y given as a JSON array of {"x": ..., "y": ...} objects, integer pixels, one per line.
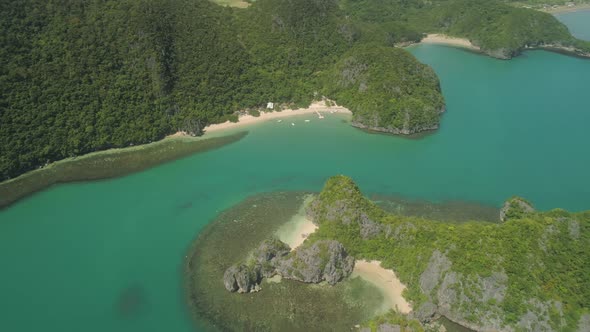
[
  {"x": 316, "y": 109},
  {"x": 566, "y": 8},
  {"x": 441, "y": 39},
  {"x": 386, "y": 281},
  {"x": 296, "y": 230}
]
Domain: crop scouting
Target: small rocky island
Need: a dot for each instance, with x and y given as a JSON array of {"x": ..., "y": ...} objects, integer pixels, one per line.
[
  {"x": 472, "y": 273},
  {"x": 526, "y": 271},
  {"x": 325, "y": 260},
  {"x": 387, "y": 90}
]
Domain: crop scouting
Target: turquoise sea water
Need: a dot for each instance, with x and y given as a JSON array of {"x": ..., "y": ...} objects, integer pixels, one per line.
[
  {"x": 578, "y": 23},
  {"x": 107, "y": 256}
]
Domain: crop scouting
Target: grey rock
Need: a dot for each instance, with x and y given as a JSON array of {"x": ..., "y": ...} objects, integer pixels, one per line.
[
  {"x": 229, "y": 278},
  {"x": 574, "y": 229},
  {"x": 373, "y": 125},
  {"x": 584, "y": 323},
  {"x": 270, "y": 249},
  {"x": 388, "y": 328},
  {"x": 426, "y": 312},
  {"x": 500, "y": 53},
  {"x": 343, "y": 211},
  {"x": 437, "y": 265},
  {"x": 241, "y": 278},
  {"x": 515, "y": 208},
  {"x": 368, "y": 227},
  {"x": 494, "y": 287},
  {"x": 324, "y": 260},
  {"x": 267, "y": 253},
  {"x": 537, "y": 318},
  {"x": 404, "y": 232},
  {"x": 447, "y": 295}
]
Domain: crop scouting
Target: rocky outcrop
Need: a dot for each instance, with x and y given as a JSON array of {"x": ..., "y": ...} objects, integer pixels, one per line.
[
  {"x": 437, "y": 265},
  {"x": 242, "y": 278},
  {"x": 369, "y": 228},
  {"x": 515, "y": 208},
  {"x": 374, "y": 124},
  {"x": 374, "y": 83},
  {"x": 500, "y": 53},
  {"x": 584, "y": 323},
  {"x": 452, "y": 294},
  {"x": 323, "y": 261}
]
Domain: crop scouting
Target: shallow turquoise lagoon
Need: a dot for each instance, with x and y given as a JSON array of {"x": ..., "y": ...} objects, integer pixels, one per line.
[{"x": 107, "y": 256}]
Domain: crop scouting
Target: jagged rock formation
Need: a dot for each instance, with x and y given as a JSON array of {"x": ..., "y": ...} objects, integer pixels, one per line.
[
  {"x": 448, "y": 294},
  {"x": 241, "y": 278},
  {"x": 323, "y": 261}
]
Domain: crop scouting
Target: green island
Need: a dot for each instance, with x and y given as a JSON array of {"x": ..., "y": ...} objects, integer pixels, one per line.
[
  {"x": 527, "y": 271},
  {"x": 79, "y": 77}
]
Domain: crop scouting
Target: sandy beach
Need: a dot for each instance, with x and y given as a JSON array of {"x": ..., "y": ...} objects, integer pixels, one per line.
[
  {"x": 296, "y": 230},
  {"x": 441, "y": 39},
  {"x": 566, "y": 9},
  {"x": 386, "y": 281},
  {"x": 314, "y": 110},
  {"x": 317, "y": 110}
]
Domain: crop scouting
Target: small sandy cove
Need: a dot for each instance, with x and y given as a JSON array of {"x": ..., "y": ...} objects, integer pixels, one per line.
[
  {"x": 386, "y": 281},
  {"x": 296, "y": 230},
  {"x": 451, "y": 41},
  {"x": 318, "y": 109}
]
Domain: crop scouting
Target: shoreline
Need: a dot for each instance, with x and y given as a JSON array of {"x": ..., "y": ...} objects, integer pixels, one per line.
[
  {"x": 107, "y": 164},
  {"x": 317, "y": 108},
  {"x": 298, "y": 228},
  {"x": 386, "y": 281},
  {"x": 465, "y": 44},
  {"x": 442, "y": 39},
  {"x": 566, "y": 9},
  {"x": 180, "y": 144}
]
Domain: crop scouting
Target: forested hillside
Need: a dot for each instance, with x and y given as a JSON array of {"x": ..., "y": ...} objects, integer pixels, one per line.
[
  {"x": 528, "y": 273},
  {"x": 86, "y": 75},
  {"x": 79, "y": 76},
  {"x": 387, "y": 90}
]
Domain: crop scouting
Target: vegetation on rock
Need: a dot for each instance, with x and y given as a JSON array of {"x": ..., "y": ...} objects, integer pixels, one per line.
[
  {"x": 387, "y": 90},
  {"x": 322, "y": 261},
  {"x": 529, "y": 272}
]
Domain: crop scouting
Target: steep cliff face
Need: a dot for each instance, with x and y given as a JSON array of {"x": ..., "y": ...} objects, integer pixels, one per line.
[{"x": 529, "y": 272}]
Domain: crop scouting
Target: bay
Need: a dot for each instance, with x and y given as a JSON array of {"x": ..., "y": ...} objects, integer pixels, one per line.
[{"x": 109, "y": 255}]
